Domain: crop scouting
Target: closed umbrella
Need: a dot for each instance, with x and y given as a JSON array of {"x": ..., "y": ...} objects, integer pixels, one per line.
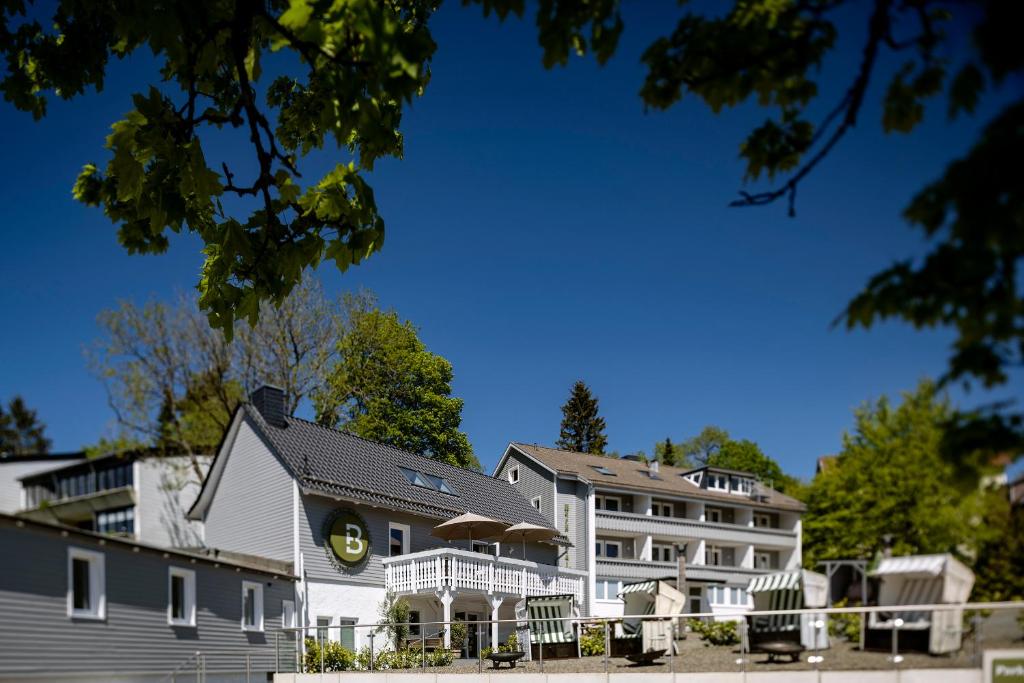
[
  {"x": 524, "y": 531},
  {"x": 469, "y": 525}
]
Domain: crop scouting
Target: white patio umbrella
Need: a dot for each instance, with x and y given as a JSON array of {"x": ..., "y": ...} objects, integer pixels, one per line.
[
  {"x": 469, "y": 525},
  {"x": 524, "y": 531}
]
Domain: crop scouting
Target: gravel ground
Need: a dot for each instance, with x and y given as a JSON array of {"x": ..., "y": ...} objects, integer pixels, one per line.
[{"x": 694, "y": 656}]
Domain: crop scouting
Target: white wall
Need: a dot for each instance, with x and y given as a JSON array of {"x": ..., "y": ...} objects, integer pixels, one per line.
[{"x": 338, "y": 600}]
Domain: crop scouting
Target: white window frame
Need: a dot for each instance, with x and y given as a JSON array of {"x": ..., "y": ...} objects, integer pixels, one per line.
[
  {"x": 188, "y": 577},
  {"x": 715, "y": 479},
  {"x": 718, "y": 513},
  {"x": 341, "y": 623},
  {"x": 656, "y": 549},
  {"x": 612, "y": 588},
  {"x": 406, "y": 533},
  {"x": 661, "y": 507},
  {"x": 766, "y": 517},
  {"x": 602, "y": 550},
  {"x": 766, "y": 555},
  {"x": 709, "y": 553},
  {"x": 257, "y": 606},
  {"x": 97, "y": 584},
  {"x": 535, "y": 502},
  {"x": 601, "y": 502},
  {"x": 287, "y": 614},
  {"x": 513, "y": 474}
]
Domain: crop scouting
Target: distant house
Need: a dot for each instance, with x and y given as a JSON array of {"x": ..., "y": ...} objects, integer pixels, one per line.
[
  {"x": 142, "y": 495},
  {"x": 631, "y": 521},
  {"x": 80, "y": 605},
  {"x": 14, "y": 467},
  {"x": 355, "y": 517}
]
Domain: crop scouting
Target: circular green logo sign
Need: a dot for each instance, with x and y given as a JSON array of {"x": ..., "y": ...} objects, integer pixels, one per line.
[{"x": 348, "y": 539}]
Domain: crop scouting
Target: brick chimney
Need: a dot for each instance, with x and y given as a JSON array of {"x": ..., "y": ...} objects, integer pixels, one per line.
[{"x": 269, "y": 402}]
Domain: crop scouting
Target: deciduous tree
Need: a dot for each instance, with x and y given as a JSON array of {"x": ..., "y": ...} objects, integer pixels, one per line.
[
  {"x": 387, "y": 386},
  {"x": 582, "y": 425},
  {"x": 21, "y": 431}
]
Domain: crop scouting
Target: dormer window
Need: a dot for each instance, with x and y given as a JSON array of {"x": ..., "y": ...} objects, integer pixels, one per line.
[
  {"x": 427, "y": 481},
  {"x": 601, "y": 469},
  {"x": 718, "y": 481}
]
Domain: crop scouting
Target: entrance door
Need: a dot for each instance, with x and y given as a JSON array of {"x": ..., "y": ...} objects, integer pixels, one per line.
[{"x": 470, "y": 647}]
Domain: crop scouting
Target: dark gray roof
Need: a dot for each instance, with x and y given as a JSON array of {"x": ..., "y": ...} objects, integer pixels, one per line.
[{"x": 338, "y": 463}]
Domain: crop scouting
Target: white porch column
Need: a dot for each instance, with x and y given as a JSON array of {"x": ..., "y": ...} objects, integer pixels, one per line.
[
  {"x": 747, "y": 559},
  {"x": 645, "y": 548},
  {"x": 698, "y": 511},
  {"x": 642, "y": 503},
  {"x": 695, "y": 552},
  {"x": 495, "y": 603},
  {"x": 447, "y": 597}
]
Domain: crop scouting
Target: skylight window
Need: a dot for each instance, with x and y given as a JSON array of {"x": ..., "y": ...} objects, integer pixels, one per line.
[
  {"x": 440, "y": 484},
  {"x": 601, "y": 469},
  {"x": 427, "y": 481}
]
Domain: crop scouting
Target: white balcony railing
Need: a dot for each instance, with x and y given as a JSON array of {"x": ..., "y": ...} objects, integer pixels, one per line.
[
  {"x": 684, "y": 528},
  {"x": 449, "y": 568}
]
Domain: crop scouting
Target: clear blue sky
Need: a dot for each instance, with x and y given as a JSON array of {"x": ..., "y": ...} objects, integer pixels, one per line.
[{"x": 541, "y": 228}]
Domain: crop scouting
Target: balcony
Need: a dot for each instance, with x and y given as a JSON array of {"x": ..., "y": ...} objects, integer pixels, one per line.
[
  {"x": 629, "y": 569},
  {"x": 676, "y": 527},
  {"x": 460, "y": 570},
  {"x": 74, "y": 510}
]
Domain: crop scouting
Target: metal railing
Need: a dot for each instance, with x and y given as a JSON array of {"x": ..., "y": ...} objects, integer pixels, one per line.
[{"x": 812, "y": 657}]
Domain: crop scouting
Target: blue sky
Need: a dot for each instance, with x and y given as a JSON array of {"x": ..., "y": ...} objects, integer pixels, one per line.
[{"x": 541, "y": 228}]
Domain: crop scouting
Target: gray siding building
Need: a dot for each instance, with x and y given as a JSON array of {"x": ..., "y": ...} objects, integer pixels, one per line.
[{"x": 78, "y": 606}]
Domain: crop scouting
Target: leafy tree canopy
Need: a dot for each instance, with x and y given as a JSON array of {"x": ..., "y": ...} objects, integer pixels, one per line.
[
  {"x": 747, "y": 456},
  {"x": 890, "y": 479},
  {"x": 582, "y": 427},
  {"x": 21, "y": 432},
  {"x": 356, "y": 65},
  {"x": 386, "y": 386}
]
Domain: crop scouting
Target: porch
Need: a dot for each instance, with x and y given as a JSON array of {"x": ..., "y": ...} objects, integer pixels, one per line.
[{"x": 447, "y": 582}]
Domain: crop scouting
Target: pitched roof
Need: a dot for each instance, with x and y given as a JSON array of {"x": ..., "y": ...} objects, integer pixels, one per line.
[
  {"x": 338, "y": 463},
  {"x": 636, "y": 475}
]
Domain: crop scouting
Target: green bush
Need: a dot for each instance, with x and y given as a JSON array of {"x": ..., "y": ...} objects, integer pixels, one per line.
[
  {"x": 441, "y": 657},
  {"x": 335, "y": 657},
  {"x": 846, "y": 626},
  {"x": 592, "y": 640},
  {"x": 511, "y": 645},
  {"x": 399, "y": 659},
  {"x": 715, "y": 632},
  {"x": 487, "y": 651},
  {"x": 459, "y": 632}
]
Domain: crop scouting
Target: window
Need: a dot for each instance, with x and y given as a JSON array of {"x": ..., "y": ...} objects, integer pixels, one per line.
[
  {"x": 661, "y": 552},
  {"x": 287, "y": 614},
  {"x": 116, "y": 521},
  {"x": 601, "y": 469},
  {"x": 513, "y": 475},
  {"x": 609, "y": 549},
  {"x": 485, "y": 548},
  {"x": 609, "y": 503},
  {"x": 661, "y": 509},
  {"x": 87, "y": 584},
  {"x": 713, "y": 515},
  {"x": 398, "y": 539},
  {"x": 347, "y": 634},
  {"x": 440, "y": 484},
  {"x": 607, "y": 589},
  {"x": 744, "y": 485},
  {"x": 718, "y": 481},
  {"x": 322, "y": 630},
  {"x": 763, "y": 519},
  {"x": 536, "y": 502},
  {"x": 181, "y": 597},
  {"x": 415, "y": 478},
  {"x": 414, "y": 623},
  {"x": 765, "y": 559},
  {"x": 252, "y": 606},
  {"x": 713, "y": 555}
]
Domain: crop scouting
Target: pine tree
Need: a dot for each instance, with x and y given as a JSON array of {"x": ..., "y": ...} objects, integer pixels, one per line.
[
  {"x": 21, "y": 432},
  {"x": 582, "y": 428},
  {"x": 668, "y": 456}
]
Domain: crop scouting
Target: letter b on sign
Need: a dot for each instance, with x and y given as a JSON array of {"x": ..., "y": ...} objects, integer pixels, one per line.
[{"x": 348, "y": 538}]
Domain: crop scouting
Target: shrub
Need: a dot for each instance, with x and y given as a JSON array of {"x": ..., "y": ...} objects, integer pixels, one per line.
[
  {"x": 511, "y": 645},
  {"x": 487, "y": 651},
  {"x": 335, "y": 657},
  {"x": 394, "y": 617},
  {"x": 715, "y": 632},
  {"x": 592, "y": 640},
  {"x": 846, "y": 626},
  {"x": 459, "y": 631},
  {"x": 441, "y": 657},
  {"x": 398, "y": 659}
]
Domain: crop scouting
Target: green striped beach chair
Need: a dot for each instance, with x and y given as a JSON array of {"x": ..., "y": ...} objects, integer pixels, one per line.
[{"x": 550, "y": 622}]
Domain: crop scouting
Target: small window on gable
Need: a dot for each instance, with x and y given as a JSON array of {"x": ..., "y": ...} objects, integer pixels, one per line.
[
  {"x": 513, "y": 475},
  {"x": 87, "y": 584},
  {"x": 181, "y": 597},
  {"x": 252, "y": 606},
  {"x": 536, "y": 502}
]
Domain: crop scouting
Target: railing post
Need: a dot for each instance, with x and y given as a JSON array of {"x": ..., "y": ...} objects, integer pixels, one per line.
[
  {"x": 671, "y": 644},
  {"x": 608, "y": 642},
  {"x": 423, "y": 648},
  {"x": 322, "y": 642},
  {"x": 371, "y": 651},
  {"x": 540, "y": 643},
  {"x": 479, "y": 650},
  {"x": 896, "y": 659},
  {"x": 277, "y": 652}
]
